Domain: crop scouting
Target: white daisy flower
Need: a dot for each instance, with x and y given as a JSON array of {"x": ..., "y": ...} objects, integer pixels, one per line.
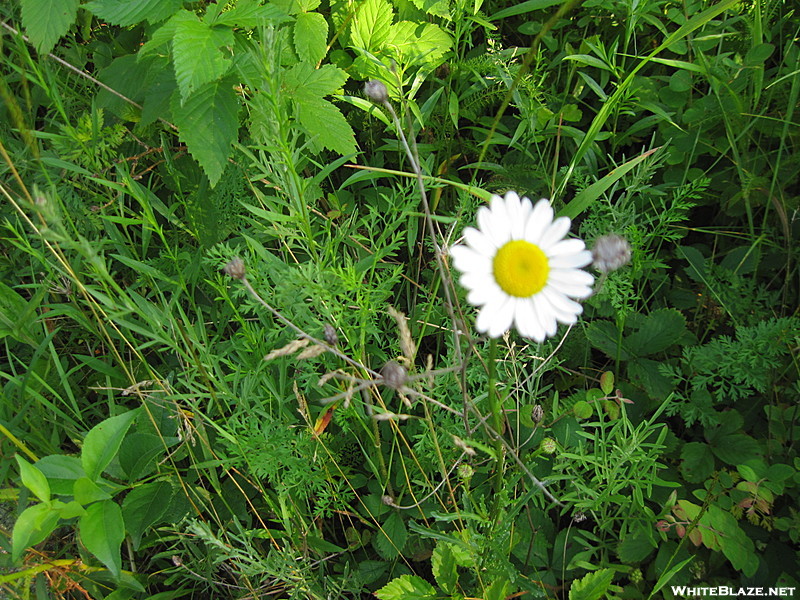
[{"x": 519, "y": 268}]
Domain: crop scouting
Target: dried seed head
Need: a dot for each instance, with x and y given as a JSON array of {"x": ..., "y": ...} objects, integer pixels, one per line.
[
  {"x": 611, "y": 252},
  {"x": 394, "y": 375},
  {"x": 376, "y": 91},
  {"x": 330, "y": 335},
  {"x": 537, "y": 414},
  {"x": 235, "y": 268}
]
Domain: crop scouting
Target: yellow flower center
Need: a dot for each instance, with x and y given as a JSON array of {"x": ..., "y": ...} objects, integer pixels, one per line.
[{"x": 520, "y": 268}]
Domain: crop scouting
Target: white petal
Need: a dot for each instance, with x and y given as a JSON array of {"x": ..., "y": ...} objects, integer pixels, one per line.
[
  {"x": 526, "y": 322},
  {"x": 467, "y": 260},
  {"x": 489, "y": 293},
  {"x": 564, "y": 305},
  {"x": 547, "y": 317},
  {"x": 540, "y": 218},
  {"x": 495, "y": 318},
  {"x": 517, "y": 211},
  {"x": 561, "y": 306},
  {"x": 570, "y": 261},
  {"x": 565, "y": 247},
  {"x": 553, "y": 234},
  {"x": 479, "y": 242}
]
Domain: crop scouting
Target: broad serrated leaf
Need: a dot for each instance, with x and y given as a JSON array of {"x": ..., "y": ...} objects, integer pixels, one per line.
[
  {"x": 311, "y": 36},
  {"x": 371, "y": 24},
  {"x": 635, "y": 547},
  {"x": 87, "y": 491},
  {"x": 198, "y": 53},
  {"x": 34, "y": 525},
  {"x": 144, "y": 506},
  {"x": 251, "y": 13},
  {"x": 604, "y": 335},
  {"x": 208, "y": 123},
  {"x": 309, "y": 83},
  {"x": 103, "y": 441},
  {"x": 658, "y": 331},
  {"x": 391, "y": 537},
  {"x": 125, "y": 12},
  {"x": 33, "y": 479},
  {"x": 697, "y": 462},
  {"x": 47, "y": 20},
  {"x": 735, "y": 448},
  {"x": 326, "y": 125},
  {"x": 407, "y": 587},
  {"x": 592, "y": 586},
  {"x": 443, "y": 563},
  {"x": 735, "y": 544},
  {"x": 61, "y": 472},
  {"x": 417, "y": 43},
  {"x": 156, "y": 103},
  {"x": 102, "y": 530}
]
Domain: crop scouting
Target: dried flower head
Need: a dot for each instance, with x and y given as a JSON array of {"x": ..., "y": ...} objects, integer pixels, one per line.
[
  {"x": 235, "y": 268},
  {"x": 330, "y": 335},
  {"x": 394, "y": 375},
  {"x": 611, "y": 252},
  {"x": 537, "y": 413},
  {"x": 376, "y": 91}
]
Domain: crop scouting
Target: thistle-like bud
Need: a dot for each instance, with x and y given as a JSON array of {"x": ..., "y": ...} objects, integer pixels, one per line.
[
  {"x": 235, "y": 268},
  {"x": 611, "y": 252},
  {"x": 537, "y": 414},
  {"x": 394, "y": 375},
  {"x": 330, "y": 335},
  {"x": 376, "y": 91}
]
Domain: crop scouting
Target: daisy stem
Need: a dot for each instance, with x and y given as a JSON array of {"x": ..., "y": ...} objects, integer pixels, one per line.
[{"x": 496, "y": 407}]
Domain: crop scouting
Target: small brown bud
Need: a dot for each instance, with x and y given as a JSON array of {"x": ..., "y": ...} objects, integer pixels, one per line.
[
  {"x": 537, "y": 414},
  {"x": 394, "y": 375},
  {"x": 611, "y": 252},
  {"x": 235, "y": 268},
  {"x": 330, "y": 335},
  {"x": 376, "y": 91}
]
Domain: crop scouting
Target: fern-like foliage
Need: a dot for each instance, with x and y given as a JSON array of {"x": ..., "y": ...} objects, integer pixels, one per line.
[{"x": 728, "y": 369}]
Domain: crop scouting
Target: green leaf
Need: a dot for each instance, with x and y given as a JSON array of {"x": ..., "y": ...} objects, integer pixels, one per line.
[
  {"x": 209, "y": 124},
  {"x": 47, "y": 20},
  {"x": 327, "y": 125},
  {"x": 658, "y": 331},
  {"x": 371, "y": 24},
  {"x": 17, "y": 316},
  {"x": 523, "y": 7},
  {"x": 591, "y": 587},
  {"x": 635, "y": 547},
  {"x": 34, "y": 525},
  {"x": 125, "y": 12},
  {"x": 61, "y": 472},
  {"x": 735, "y": 448},
  {"x": 391, "y": 537},
  {"x": 139, "y": 453},
  {"x": 33, "y": 479},
  {"x": 251, "y": 14},
  {"x": 443, "y": 563},
  {"x": 604, "y": 335},
  {"x": 310, "y": 83},
  {"x": 198, "y": 55},
  {"x": 87, "y": 491},
  {"x": 103, "y": 441},
  {"x": 144, "y": 506},
  {"x": 698, "y": 462},
  {"x": 418, "y": 43},
  {"x": 584, "y": 198},
  {"x": 736, "y": 545},
  {"x": 311, "y": 36},
  {"x": 407, "y": 587},
  {"x": 102, "y": 530}
]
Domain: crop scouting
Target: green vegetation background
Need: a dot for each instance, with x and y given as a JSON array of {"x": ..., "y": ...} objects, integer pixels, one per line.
[{"x": 150, "y": 451}]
